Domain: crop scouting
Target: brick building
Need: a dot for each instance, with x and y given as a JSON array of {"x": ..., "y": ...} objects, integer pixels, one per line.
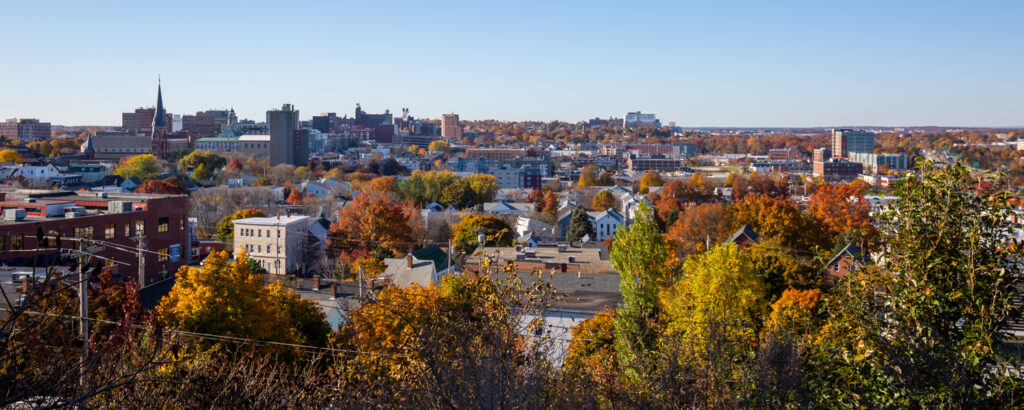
[
  {"x": 837, "y": 169},
  {"x": 25, "y": 129},
  {"x": 118, "y": 222}
]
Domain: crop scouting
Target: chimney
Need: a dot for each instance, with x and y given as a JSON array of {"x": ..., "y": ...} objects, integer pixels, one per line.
[
  {"x": 316, "y": 282},
  {"x": 408, "y": 261},
  {"x": 25, "y": 284},
  {"x": 334, "y": 290}
]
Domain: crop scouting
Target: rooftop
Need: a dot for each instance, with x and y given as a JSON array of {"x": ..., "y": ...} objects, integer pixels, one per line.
[{"x": 271, "y": 220}]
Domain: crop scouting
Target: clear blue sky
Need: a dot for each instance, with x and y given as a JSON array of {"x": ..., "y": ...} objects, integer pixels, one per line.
[{"x": 713, "y": 63}]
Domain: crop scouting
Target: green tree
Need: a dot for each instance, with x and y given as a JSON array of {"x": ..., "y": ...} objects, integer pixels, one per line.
[
  {"x": 579, "y": 225},
  {"x": 209, "y": 160},
  {"x": 639, "y": 255},
  {"x": 924, "y": 329},
  {"x": 143, "y": 167},
  {"x": 226, "y": 226},
  {"x": 484, "y": 187},
  {"x": 201, "y": 173},
  {"x": 439, "y": 146},
  {"x": 496, "y": 231}
]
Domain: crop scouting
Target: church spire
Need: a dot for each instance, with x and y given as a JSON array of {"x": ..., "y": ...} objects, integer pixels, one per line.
[{"x": 159, "y": 115}]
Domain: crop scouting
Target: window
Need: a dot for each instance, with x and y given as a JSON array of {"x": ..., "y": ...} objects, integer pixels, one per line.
[
  {"x": 83, "y": 232},
  {"x": 17, "y": 242},
  {"x": 182, "y": 226},
  {"x": 268, "y": 233},
  {"x": 163, "y": 252},
  {"x": 127, "y": 230},
  {"x": 259, "y": 248},
  {"x": 109, "y": 261},
  {"x": 163, "y": 224},
  {"x": 259, "y": 234},
  {"x": 109, "y": 231},
  {"x": 2, "y": 244},
  {"x": 140, "y": 227}
]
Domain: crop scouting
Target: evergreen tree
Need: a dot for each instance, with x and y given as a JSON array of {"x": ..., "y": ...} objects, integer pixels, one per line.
[{"x": 579, "y": 225}]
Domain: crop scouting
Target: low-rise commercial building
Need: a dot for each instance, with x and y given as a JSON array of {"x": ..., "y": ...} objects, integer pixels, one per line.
[{"x": 120, "y": 223}]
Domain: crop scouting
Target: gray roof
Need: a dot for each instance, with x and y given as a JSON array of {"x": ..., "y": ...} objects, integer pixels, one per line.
[
  {"x": 422, "y": 272},
  {"x": 744, "y": 231}
]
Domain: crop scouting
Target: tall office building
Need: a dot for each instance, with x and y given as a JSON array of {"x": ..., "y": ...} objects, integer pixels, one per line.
[
  {"x": 285, "y": 137},
  {"x": 639, "y": 119},
  {"x": 845, "y": 142},
  {"x": 450, "y": 127}
]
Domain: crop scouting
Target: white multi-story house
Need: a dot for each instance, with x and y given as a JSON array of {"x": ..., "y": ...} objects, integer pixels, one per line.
[{"x": 278, "y": 244}]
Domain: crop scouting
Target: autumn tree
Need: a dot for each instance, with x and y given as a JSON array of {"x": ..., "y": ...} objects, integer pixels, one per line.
[
  {"x": 603, "y": 201},
  {"x": 10, "y": 155},
  {"x": 496, "y": 231},
  {"x": 295, "y": 197},
  {"x": 588, "y": 177},
  {"x": 708, "y": 222},
  {"x": 143, "y": 167},
  {"x": 234, "y": 165},
  {"x": 651, "y": 178},
  {"x": 550, "y": 202},
  {"x": 842, "y": 209},
  {"x": 370, "y": 221},
  {"x": 168, "y": 186},
  {"x": 226, "y": 226},
  {"x": 771, "y": 217},
  {"x": 228, "y": 299},
  {"x": 721, "y": 288}
]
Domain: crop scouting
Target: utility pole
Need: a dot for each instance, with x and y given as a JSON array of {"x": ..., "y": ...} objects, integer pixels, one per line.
[
  {"x": 83, "y": 298},
  {"x": 83, "y": 255},
  {"x": 141, "y": 240}
]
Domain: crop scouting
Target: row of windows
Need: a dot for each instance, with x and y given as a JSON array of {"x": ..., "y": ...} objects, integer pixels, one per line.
[
  {"x": 88, "y": 232},
  {"x": 258, "y": 233},
  {"x": 259, "y": 248}
]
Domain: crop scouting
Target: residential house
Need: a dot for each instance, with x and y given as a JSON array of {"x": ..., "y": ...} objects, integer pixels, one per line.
[
  {"x": 744, "y": 237},
  {"x": 421, "y": 267},
  {"x": 849, "y": 259}
]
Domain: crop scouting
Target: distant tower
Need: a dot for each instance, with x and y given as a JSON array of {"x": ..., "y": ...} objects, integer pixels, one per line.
[
  {"x": 159, "y": 135},
  {"x": 87, "y": 148},
  {"x": 450, "y": 127}
]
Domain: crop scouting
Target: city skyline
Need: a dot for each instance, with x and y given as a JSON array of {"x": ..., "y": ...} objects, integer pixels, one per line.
[{"x": 810, "y": 65}]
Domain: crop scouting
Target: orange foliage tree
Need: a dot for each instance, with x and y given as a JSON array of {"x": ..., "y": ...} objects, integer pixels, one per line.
[
  {"x": 842, "y": 209},
  {"x": 777, "y": 218},
  {"x": 370, "y": 221}
]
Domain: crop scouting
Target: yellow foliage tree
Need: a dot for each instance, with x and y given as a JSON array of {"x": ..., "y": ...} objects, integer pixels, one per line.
[
  {"x": 229, "y": 299},
  {"x": 721, "y": 293},
  {"x": 650, "y": 179},
  {"x": 10, "y": 155}
]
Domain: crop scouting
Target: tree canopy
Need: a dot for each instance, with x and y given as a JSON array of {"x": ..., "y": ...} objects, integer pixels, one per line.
[{"x": 143, "y": 167}]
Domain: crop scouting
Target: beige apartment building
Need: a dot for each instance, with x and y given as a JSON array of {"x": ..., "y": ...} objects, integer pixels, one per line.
[{"x": 276, "y": 243}]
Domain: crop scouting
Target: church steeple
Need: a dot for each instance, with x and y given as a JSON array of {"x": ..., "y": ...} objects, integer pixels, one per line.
[{"x": 159, "y": 115}]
